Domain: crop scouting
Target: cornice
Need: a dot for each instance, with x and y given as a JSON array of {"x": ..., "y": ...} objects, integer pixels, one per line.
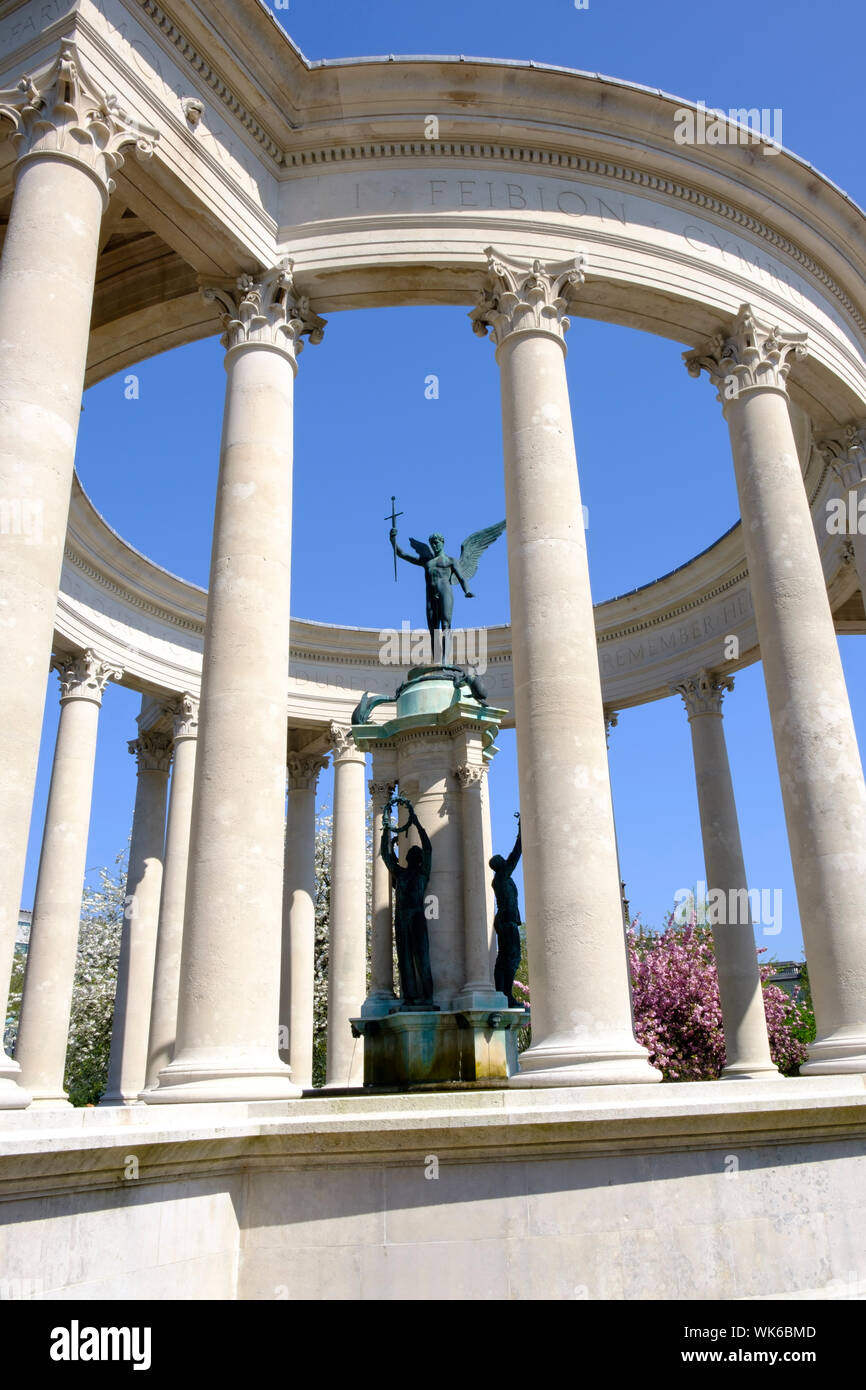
[
  {"x": 537, "y": 155},
  {"x": 221, "y": 89},
  {"x": 129, "y": 595},
  {"x": 574, "y": 163}
]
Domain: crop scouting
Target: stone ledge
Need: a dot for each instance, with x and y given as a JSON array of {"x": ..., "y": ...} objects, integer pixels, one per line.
[{"x": 69, "y": 1151}]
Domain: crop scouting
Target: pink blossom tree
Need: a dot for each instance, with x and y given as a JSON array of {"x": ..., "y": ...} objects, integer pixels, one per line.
[{"x": 677, "y": 1011}]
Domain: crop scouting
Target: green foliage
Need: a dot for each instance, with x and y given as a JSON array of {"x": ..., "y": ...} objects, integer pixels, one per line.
[
  {"x": 89, "y": 1046},
  {"x": 92, "y": 1013}
]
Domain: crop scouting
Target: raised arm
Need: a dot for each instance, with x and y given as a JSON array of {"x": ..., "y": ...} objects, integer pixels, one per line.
[
  {"x": 404, "y": 555},
  {"x": 387, "y": 852},
  {"x": 514, "y": 857},
  {"x": 426, "y": 847}
]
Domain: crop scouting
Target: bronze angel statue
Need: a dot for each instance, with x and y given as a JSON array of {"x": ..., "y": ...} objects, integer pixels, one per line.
[{"x": 441, "y": 571}]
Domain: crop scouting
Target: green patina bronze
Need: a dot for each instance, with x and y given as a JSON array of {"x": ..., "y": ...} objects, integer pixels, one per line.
[{"x": 441, "y": 571}]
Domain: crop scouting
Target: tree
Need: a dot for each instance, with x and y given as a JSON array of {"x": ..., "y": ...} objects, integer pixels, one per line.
[
  {"x": 677, "y": 1010},
  {"x": 324, "y": 838},
  {"x": 89, "y": 1041},
  {"x": 93, "y": 993},
  {"x": 324, "y": 835}
]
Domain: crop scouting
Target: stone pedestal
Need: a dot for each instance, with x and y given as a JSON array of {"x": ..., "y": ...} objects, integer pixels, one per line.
[
  {"x": 436, "y": 751},
  {"x": 415, "y": 1048}
]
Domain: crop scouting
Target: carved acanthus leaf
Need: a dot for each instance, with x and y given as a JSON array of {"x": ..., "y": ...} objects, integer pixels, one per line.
[
  {"x": 845, "y": 451},
  {"x": 520, "y": 297},
  {"x": 59, "y": 110},
  {"x": 153, "y": 751},
  {"x": 470, "y": 774},
  {"x": 304, "y": 772},
  {"x": 381, "y": 793},
  {"x": 703, "y": 693},
  {"x": 185, "y": 714},
  {"x": 267, "y": 309},
  {"x": 85, "y": 676},
  {"x": 750, "y": 356},
  {"x": 342, "y": 744}
]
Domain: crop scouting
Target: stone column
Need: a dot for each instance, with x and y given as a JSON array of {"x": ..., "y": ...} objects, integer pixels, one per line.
[
  {"x": 816, "y": 747},
  {"x": 132, "y": 1002},
  {"x": 299, "y": 920},
  {"x": 228, "y": 1011},
  {"x": 169, "y": 937},
  {"x": 487, "y": 854},
  {"x": 45, "y": 1008},
  {"x": 581, "y": 1015},
  {"x": 846, "y": 454},
  {"x": 611, "y": 721},
  {"x": 347, "y": 938},
  {"x": 68, "y": 138},
  {"x": 747, "y": 1045},
  {"x": 381, "y": 995},
  {"x": 479, "y": 991}
]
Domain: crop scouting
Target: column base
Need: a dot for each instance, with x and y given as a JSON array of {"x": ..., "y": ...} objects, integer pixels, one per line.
[
  {"x": 478, "y": 997},
  {"x": 12, "y": 1094},
  {"x": 837, "y": 1055},
  {"x": 760, "y": 1072},
  {"x": 379, "y": 1005},
  {"x": 183, "y": 1083},
  {"x": 50, "y": 1100},
  {"x": 565, "y": 1064}
]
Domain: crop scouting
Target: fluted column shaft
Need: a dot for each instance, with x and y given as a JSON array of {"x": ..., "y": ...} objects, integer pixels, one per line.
[
  {"x": 169, "y": 937},
  {"x": 816, "y": 747},
  {"x": 68, "y": 143},
  {"x": 347, "y": 940},
  {"x": 228, "y": 1010},
  {"x": 47, "y": 1003},
  {"x": 581, "y": 1014},
  {"x": 132, "y": 1001},
  {"x": 747, "y": 1044},
  {"x": 380, "y": 995},
  {"x": 297, "y": 998}
]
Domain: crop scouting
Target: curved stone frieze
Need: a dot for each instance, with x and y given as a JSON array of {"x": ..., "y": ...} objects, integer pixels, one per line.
[
  {"x": 151, "y": 624},
  {"x": 342, "y": 166}
]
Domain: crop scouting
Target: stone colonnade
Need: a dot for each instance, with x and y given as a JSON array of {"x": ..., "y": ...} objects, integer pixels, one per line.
[{"x": 226, "y": 978}]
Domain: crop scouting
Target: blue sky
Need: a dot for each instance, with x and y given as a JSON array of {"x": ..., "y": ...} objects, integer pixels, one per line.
[{"x": 653, "y": 449}]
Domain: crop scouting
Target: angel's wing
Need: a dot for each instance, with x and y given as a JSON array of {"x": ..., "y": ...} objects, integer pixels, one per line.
[
  {"x": 422, "y": 549},
  {"x": 473, "y": 547}
]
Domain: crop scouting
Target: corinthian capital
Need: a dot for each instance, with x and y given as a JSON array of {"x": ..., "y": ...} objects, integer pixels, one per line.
[
  {"x": 470, "y": 774},
  {"x": 267, "y": 310},
  {"x": 84, "y": 677},
  {"x": 342, "y": 745},
  {"x": 381, "y": 793},
  {"x": 750, "y": 356},
  {"x": 845, "y": 451},
  {"x": 703, "y": 693},
  {"x": 60, "y": 111},
  {"x": 152, "y": 751},
  {"x": 524, "y": 297},
  {"x": 185, "y": 712},
  {"x": 304, "y": 772}
]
